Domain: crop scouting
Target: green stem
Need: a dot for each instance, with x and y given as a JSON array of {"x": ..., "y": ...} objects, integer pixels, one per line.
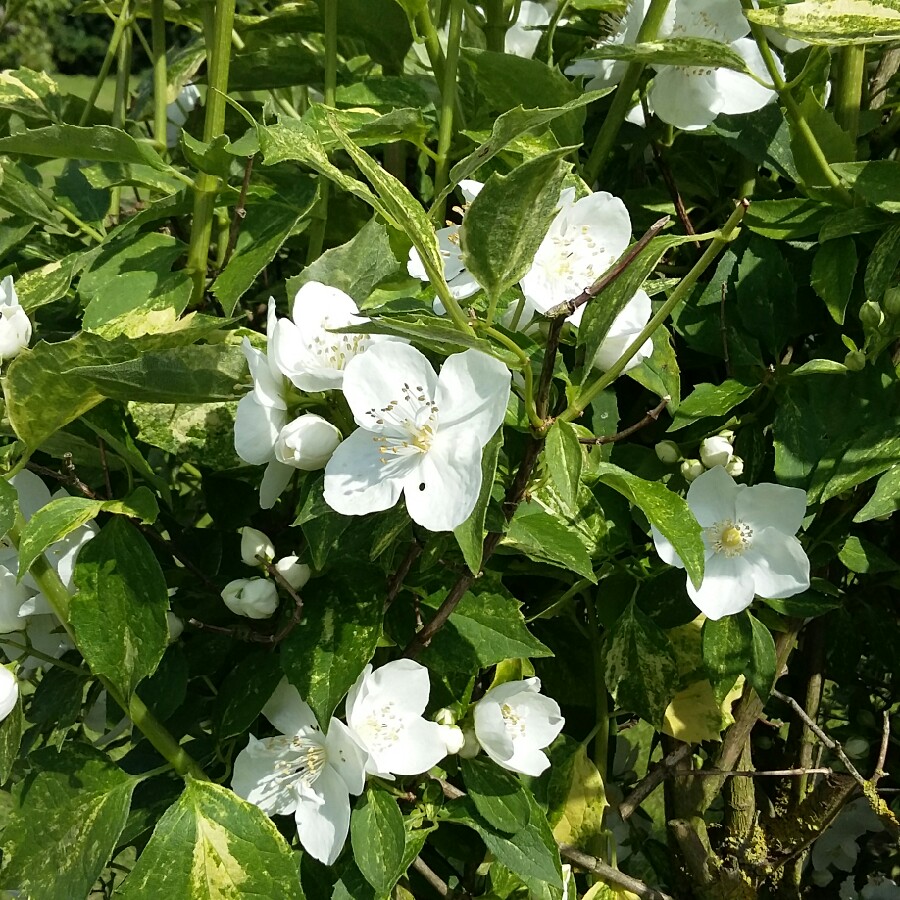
[
  {"x": 622, "y": 99},
  {"x": 527, "y": 373},
  {"x": 848, "y": 91},
  {"x": 578, "y": 406},
  {"x": 320, "y": 221},
  {"x": 106, "y": 65},
  {"x": 496, "y": 24},
  {"x": 219, "y": 60},
  {"x": 551, "y": 28},
  {"x": 120, "y": 102},
  {"x": 448, "y": 102},
  {"x": 160, "y": 75},
  {"x": 795, "y": 114},
  {"x": 28, "y": 650},
  {"x": 425, "y": 26},
  {"x": 50, "y": 585}
]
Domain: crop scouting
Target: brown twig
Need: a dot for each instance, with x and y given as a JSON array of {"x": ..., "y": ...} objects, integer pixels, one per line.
[
  {"x": 397, "y": 579},
  {"x": 297, "y": 613},
  {"x": 610, "y": 874},
  {"x": 651, "y": 416},
  {"x": 652, "y": 780},
  {"x": 723, "y": 328},
  {"x": 71, "y": 477},
  {"x": 240, "y": 213},
  {"x": 101, "y": 447},
  {"x": 883, "y": 750},
  {"x": 753, "y": 773},
  {"x": 675, "y": 194},
  {"x": 608, "y": 277},
  {"x": 435, "y": 880}
]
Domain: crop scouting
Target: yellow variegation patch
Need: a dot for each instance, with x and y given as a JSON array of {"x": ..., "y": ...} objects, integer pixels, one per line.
[{"x": 582, "y": 816}]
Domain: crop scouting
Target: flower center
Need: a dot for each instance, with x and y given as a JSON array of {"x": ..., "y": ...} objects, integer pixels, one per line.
[
  {"x": 304, "y": 759},
  {"x": 514, "y": 722},
  {"x": 731, "y": 538},
  {"x": 336, "y": 350},
  {"x": 381, "y": 728},
  {"x": 406, "y": 425}
]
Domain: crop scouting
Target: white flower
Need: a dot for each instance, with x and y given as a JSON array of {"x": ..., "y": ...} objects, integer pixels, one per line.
[
  {"x": 384, "y": 712},
  {"x": 523, "y": 36},
  {"x": 176, "y": 626},
  {"x": 178, "y": 111},
  {"x": 294, "y": 572},
  {"x": 420, "y": 434},
  {"x": 716, "y": 451},
  {"x": 626, "y": 326},
  {"x": 306, "y": 351},
  {"x": 307, "y": 443},
  {"x": 15, "y": 326},
  {"x": 255, "y": 598},
  {"x": 514, "y": 723},
  {"x": 735, "y": 466},
  {"x": 453, "y": 738},
  {"x": 690, "y": 97},
  {"x": 9, "y": 692},
  {"x": 668, "y": 452},
  {"x": 256, "y": 547},
  {"x": 304, "y": 773},
  {"x": 750, "y": 544},
  {"x": 460, "y": 282},
  {"x": 691, "y": 469}
]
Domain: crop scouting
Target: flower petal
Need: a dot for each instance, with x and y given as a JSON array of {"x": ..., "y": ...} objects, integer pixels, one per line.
[
  {"x": 665, "y": 549},
  {"x": 256, "y": 428},
  {"x": 346, "y": 757},
  {"x": 254, "y": 777},
  {"x": 772, "y": 506},
  {"x": 472, "y": 394},
  {"x": 323, "y": 816},
  {"x": 275, "y": 479},
  {"x": 685, "y": 97},
  {"x": 420, "y": 745},
  {"x": 490, "y": 729},
  {"x": 288, "y": 712},
  {"x": 739, "y": 93},
  {"x": 404, "y": 681},
  {"x": 727, "y": 586},
  {"x": 359, "y": 479},
  {"x": 443, "y": 489},
  {"x": 543, "y": 719},
  {"x": 717, "y": 20},
  {"x": 33, "y": 493},
  {"x": 526, "y": 759},
  {"x": 780, "y": 566},
  {"x": 712, "y": 497}
]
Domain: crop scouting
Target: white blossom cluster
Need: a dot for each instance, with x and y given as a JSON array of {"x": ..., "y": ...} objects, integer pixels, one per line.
[
  {"x": 419, "y": 434},
  {"x": 717, "y": 450},
  {"x": 689, "y": 97},
  {"x": 311, "y": 775}
]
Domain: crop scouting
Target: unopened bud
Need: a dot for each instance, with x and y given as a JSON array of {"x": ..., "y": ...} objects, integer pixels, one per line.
[
  {"x": 453, "y": 738},
  {"x": 871, "y": 316},
  {"x": 256, "y": 548},
  {"x": 667, "y": 452},
  {"x": 715, "y": 451},
  {"x": 255, "y": 598},
  {"x": 891, "y": 301},
  {"x": 176, "y": 626},
  {"x": 307, "y": 443},
  {"x": 728, "y": 435},
  {"x": 855, "y": 360},
  {"x": 735, "y": 466},
  {"x": 691, "y": 469},
  {"x": 295, "y": 573},
  {"x": 470, "y": 748}
]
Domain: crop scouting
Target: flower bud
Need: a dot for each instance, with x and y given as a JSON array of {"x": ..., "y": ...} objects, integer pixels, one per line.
[
  {"x": 728, "y": 435},
  {"x": 445, "y": 716},
  {"x": 691, "y": 469},
  {"x": 15, "y": 326},
  {"x": 891, "y": 301},
  {"x": 855, "y": 360},
  {"x": 9, "y": 692},
  {"x": 667, "y": 452},
  {"x": 295, "y": 573},
  {"x": 256, "y": 548},
  {"x": 871, "y": 316},
  {"x": 453, "y": 737},
  {"x": 470, "y": 748},
  {"x": 255, "y": 598},
  {"x": 735, "y": 466},
  {"x": 176, "y": 626},
  {"x": 715, "y": 451},
  {"x": 307, "y": 443}
]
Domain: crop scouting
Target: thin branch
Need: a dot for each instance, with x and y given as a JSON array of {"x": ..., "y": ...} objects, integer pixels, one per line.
[
  {"x": 297, "y": 613},
  {"x": 101, "y": 447},
  {"x": 883, "y": 751},
  {"x": 569, "y": 306},
  {"x": 431, "y": 876},
  {"x": 651, "y": 416},
  {"x": 752, "y": 773},
  {"x": 723, "y": 328},
  {"x": 609, "y": 874},
  {"x": 675, "y": 194},
  {"x": 240, "y": 213},
  {"x": 652, "y": 780},
  {"x": 397, "y": 579}
]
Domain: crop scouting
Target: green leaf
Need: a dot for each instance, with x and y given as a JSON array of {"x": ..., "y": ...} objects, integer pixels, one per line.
[
  {"x": 787, "y": 220},
  {"x": 337, "y": 636},
  {"x": 119, "y": 612},
  {"x": 264, "y": 230},
  {"x": 546, "y": 539},
  {"x": 509, "y": 126},
  {"x": 486, "y": 628},
  {"x": 761, "y": 670},
  {"x": 640, "y": 669},
  {"x": 198, "y": 374},
  {"x": 877, "y": 181},
  {"x": 9, "y": 506},
  {"x": 886, "y": 498},
  {"x": 100, "y": 143},
  {"x": 71, "y": 811},
  {"x": 11, "y": 729},
  {"x": 213, "y": 844},
  {"x": 378, "y": 839},
  {"x": 832, "y": 22},
  {"x": 564, "y": 460},
  {"x": 882, "y": 264},
  {"x": 30, "y": 94},
  {"x": 355, "y": 267},
  {"x": 244, "y": 693},
  {"x": 666, "y": 510},
  {"x": 865, "y": 558},
  {"x": 874, "y": 451},
  {"x": 836, "y": 144},
  {"x": 505, "y": 224},
  {"x": 48, "y": 283},
  {"x": 727, "y": 645},
  {"x": 497, "y": 794},
  {"x": 62, "y": 516},
  {"x": 470, "y": 535},
  {"x": 711, "y": 400},
  {"x": 660, "y": 372},
  {"x": 833, "y": 274},
  {"x": 804, "y": 606},
  {"x": 676, "y": 51}
]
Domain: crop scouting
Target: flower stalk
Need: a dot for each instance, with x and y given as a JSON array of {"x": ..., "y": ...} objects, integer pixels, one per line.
[
  {"x": 848, "y": 93},
  {"x": 122, "y": 21},
  {"x": 206, "y": 188},
  {"x": 448, "y": 102},
  {"x": 160, "y": 74}
]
